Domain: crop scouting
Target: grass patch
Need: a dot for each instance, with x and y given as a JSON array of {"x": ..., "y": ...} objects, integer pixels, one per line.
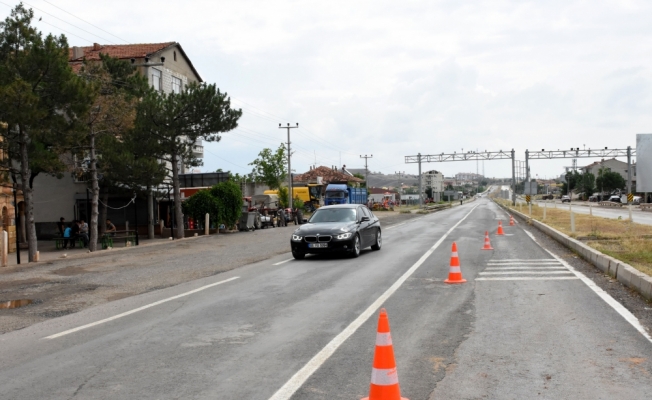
[{"x": 619, "y": 238}]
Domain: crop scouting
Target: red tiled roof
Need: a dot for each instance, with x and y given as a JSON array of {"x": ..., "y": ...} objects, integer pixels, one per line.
[
  {"x": 121, "y": 51},
  {"x": 329, "y": 175}
]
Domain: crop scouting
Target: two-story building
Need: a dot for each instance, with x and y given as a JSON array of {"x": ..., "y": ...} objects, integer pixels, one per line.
[{"x": 169, "y": 70}]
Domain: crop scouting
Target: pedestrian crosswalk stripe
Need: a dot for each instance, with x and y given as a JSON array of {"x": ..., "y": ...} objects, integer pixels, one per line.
[
  {"x": 524, "y": 272},
  {"x": 522, "y": 268},
  {"x": 528, "y": 278}
]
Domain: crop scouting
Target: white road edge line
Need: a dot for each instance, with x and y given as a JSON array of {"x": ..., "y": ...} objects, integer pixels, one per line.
[
  {"x": 565, "y": 271},
  {"x": 283, "y": 262},
  {"x": 301, "y": 376},
  {"x": 135, "y": 310},
  {"x": 523, "y": 268},
  {"x": 620, "y": 309}
]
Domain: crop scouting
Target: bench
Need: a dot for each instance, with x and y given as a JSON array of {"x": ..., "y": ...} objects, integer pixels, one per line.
[
  {"x": 58, "y": 242},
  {"x": 128, "y": 236}
]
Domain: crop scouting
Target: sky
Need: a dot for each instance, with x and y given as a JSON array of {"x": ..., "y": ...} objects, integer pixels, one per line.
[{"x": 394, "y": 79}]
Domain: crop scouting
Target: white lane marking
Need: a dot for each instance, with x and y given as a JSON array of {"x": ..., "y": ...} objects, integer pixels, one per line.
[
  {"x": 524, "y": 263},
  {"x": 522, "y": 268},
  {"x": 526, "y": 278},
  {"x": 523, "y": 259},
  {"x": 524, "y": 272},
  {"x": 135, "y": 310},
  {"x": 283, "y": 262},
  {"x": 301, "y": 376},
  {"x": 395, "y": 226},
  {"x": 620, "y": 309}
]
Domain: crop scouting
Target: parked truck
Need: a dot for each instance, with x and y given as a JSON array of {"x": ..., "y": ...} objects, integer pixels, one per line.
[{"x": 337, "y": 193}]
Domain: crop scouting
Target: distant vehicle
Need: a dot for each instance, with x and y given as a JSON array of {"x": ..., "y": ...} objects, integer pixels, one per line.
[
  {"x": 637, "y": 200},
  {"x": 593, "y": 198},
  {"x": 547, "y": 197},
  {"x": 565, "y": 199},
  {"x": 338, "y": 228},
  {"x": 339, "y": 193},
  {"x": 614, "y": 199}
]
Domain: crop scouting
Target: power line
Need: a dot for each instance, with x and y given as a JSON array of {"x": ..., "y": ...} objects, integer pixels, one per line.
[
  {"x": 64, "y": 21},
  {"x": 95, "y": 26}
]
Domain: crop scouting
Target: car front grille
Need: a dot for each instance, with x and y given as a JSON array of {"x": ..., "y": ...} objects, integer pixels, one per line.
[{"x": 315, "y": 239}]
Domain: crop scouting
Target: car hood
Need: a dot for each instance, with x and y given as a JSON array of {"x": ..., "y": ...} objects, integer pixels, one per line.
[{"x": 330, "y": 228}]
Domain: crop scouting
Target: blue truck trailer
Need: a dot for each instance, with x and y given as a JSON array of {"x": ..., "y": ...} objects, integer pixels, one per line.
[{"x": 342, "y": 194}]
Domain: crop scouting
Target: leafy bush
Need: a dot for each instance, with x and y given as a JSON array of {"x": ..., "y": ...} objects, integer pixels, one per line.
[
  {"x": 199, "y": 204},
  {"x": 229, "y": 199},
  {"x": 298, "y": 203},
  {"x": 283, "y": 197}
]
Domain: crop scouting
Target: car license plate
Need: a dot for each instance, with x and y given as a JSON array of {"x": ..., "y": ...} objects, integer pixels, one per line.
[{"x": 317, "y": 245}]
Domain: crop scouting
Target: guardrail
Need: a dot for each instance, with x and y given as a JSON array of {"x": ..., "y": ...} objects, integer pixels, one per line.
[
  {"x": 610, "y": 204},
  {"x": 646, "y": 207}
]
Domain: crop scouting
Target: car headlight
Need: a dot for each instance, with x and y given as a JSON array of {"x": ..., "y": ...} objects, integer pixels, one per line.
[
  {"x": 344, "y": 235},
  {"x": 297, "y": 238}
]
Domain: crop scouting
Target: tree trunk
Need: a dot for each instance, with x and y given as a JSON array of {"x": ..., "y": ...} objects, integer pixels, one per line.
[
  {"x": 25, "y": 173},
  {"x": 105, "y": 201},
  {"x": 178, "y": 215},
  {"x": 95, "y": 189},
  {"x": 150, "y": 213}
]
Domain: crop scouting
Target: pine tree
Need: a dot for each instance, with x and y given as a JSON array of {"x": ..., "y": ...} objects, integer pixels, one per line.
[{"x": 40, "y": 97}]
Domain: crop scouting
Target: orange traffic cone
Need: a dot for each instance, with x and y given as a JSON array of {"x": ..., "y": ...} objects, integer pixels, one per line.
[
  {"x": 500, "y": 228},
  {"x": 384, "y": 379},
  {"x": 455, "y": 272},
  {"x": 487, "y": 244},
  {"x": 511, "y": 220}
]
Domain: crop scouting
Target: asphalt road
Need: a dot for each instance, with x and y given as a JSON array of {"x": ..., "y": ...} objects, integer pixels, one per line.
[
  {"x": 641, "y": 217},
  {"x": 526, "y": 325}
]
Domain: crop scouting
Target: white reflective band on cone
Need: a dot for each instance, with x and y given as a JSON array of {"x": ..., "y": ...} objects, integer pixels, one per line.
[
  {"x": 384, "y": 377},
  {"x": 383, "y": 339},
  {"x": 455, "y": 269},
  {"x": 454, "y": 254}
]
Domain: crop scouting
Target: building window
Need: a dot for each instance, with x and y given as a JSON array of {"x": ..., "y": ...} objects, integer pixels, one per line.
[
  {"x": 176, "y": 85},
  {"x": 156, "y": 80}
]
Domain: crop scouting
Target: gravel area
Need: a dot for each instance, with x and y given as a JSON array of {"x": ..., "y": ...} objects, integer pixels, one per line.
[{"x": 64, "y": 286}]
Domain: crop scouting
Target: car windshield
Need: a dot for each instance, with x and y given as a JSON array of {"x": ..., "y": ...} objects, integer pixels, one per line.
[{"x": 333, "y": 215}]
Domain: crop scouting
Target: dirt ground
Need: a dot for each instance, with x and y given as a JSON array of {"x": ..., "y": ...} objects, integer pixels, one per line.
[{"x": 60, "y": 286}]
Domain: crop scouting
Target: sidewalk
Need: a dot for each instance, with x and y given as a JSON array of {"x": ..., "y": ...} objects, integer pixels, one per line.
[{"x": 48, "y": 252}]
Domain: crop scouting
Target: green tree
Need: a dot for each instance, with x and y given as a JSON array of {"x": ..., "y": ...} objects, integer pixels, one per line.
[
  {"x": 608, "y": 181},
  {"x": 229, "y": 201},
  {"x": 360, "y": 176},
  {"x": 269, "y": 167},
  {"x": 177, "y": 121},
  {"x": 283, "y": 197},
  {"x": 40, "y": 97},
  {"x": 200, "y": 204}
]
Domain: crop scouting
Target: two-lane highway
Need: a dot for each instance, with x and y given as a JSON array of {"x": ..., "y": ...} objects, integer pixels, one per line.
[{"x": 525, "y": 325}]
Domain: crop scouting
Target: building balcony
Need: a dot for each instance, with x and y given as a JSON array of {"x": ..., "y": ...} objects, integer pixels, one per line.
[{"x": 198, "y": 151}]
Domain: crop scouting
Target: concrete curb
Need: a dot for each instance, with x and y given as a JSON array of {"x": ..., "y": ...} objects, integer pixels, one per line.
[{"x": 623, "y": 272}]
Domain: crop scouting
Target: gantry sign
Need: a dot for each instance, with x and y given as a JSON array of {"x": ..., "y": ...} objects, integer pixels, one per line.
[
  {"x": 468, "y": 156},
  {"x": 584, "y": 153}
]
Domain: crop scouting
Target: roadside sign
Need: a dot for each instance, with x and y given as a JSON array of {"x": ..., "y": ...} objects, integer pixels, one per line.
[
  {"x": 528, "y": 198},
  {"x": 630, "y": 197}
]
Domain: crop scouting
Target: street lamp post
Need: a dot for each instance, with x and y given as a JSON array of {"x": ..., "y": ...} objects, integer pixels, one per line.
[{"x": 288, "y": 127}]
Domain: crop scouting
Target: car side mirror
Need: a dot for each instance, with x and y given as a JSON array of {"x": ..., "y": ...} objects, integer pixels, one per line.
[{"x": 364, "y": 219}]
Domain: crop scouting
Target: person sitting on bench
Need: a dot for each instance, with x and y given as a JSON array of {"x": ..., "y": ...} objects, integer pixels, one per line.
[{"x": 110, "y": 228}]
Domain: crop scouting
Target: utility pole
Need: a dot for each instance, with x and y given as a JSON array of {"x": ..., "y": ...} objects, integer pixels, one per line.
[
  {"x": 288, "y": 127},
  {"x": 513, "y": 179},
  {"x": 420, "y": 198},
  {"x": 366, "y": 170},
  {"x": 400, "y": 190},
  {"x": 629, "y": 171}
]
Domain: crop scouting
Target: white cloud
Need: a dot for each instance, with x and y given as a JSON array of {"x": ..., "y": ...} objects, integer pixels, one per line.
[{"x": 397, "y": 78}]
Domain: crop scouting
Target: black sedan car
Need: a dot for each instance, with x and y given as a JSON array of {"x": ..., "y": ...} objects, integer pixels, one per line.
[{"x": 338, "y": 228}]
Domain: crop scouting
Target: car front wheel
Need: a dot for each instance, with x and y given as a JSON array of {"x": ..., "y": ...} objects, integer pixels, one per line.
[
  {"x": 355, "y": 251},
  {"x": 379, "y": 241}
]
